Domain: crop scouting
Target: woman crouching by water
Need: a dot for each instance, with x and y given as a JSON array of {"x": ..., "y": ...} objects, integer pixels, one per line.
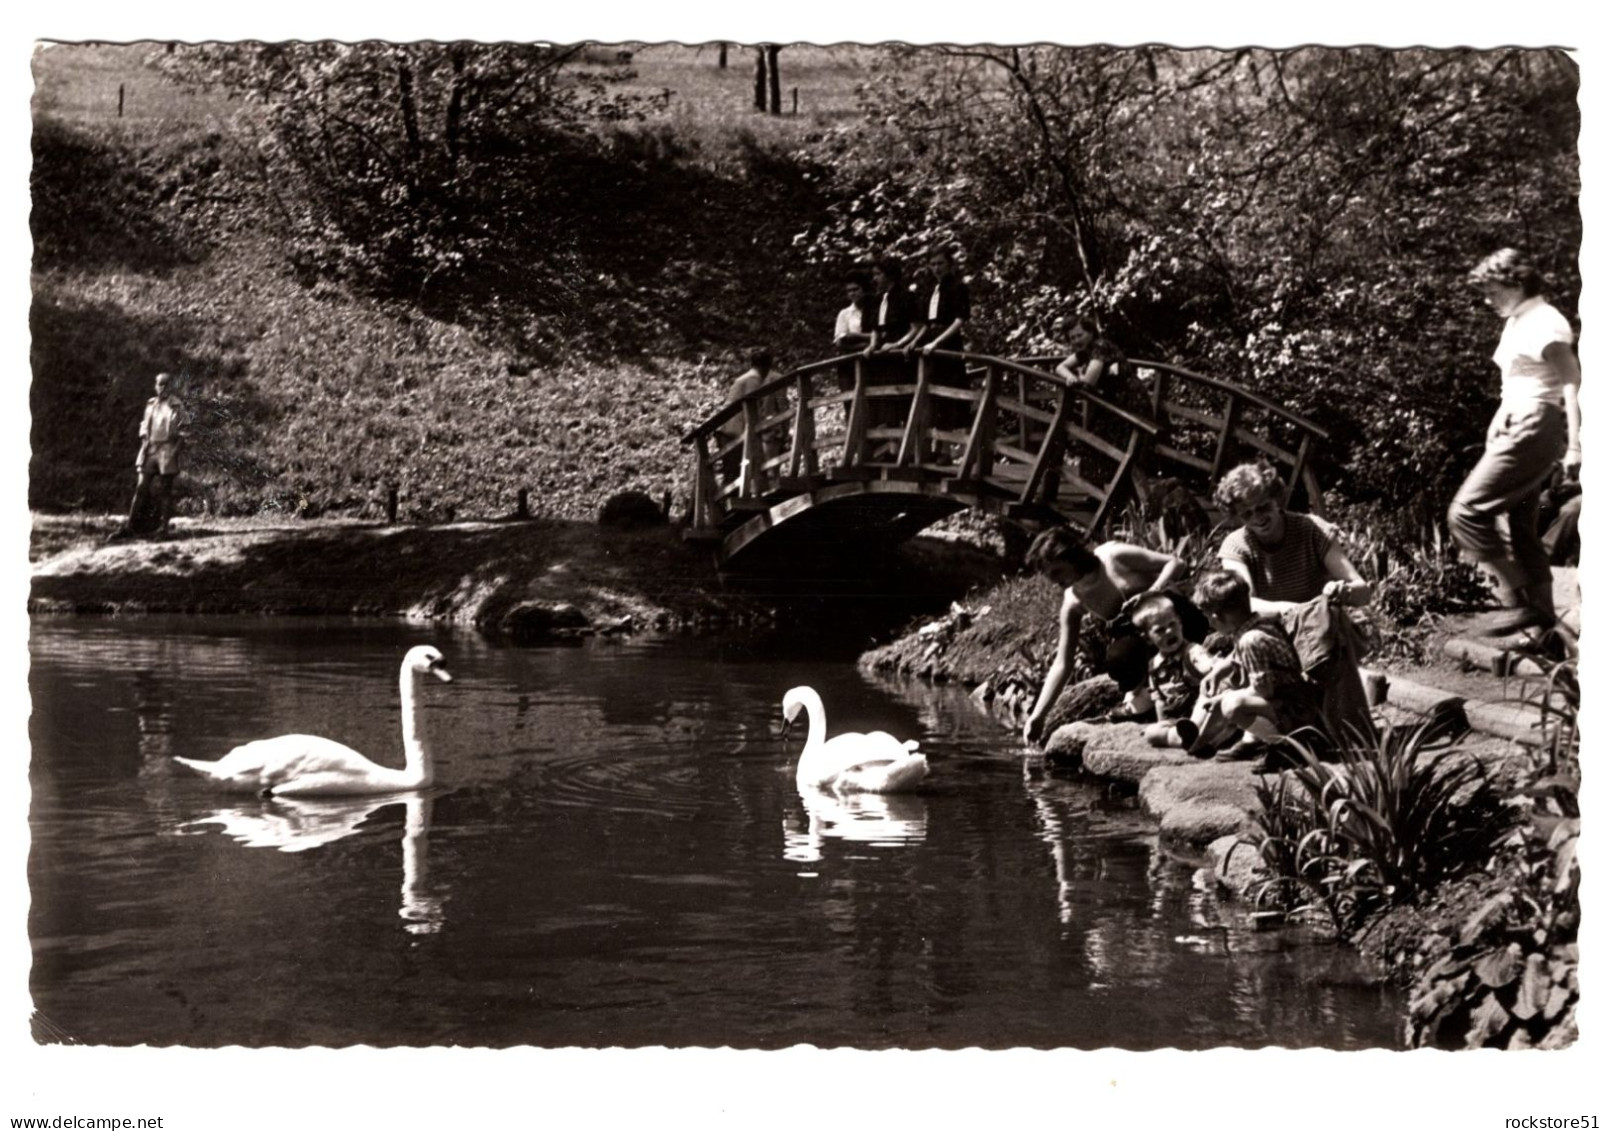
[
  {"x": 1098, "y": 583},
  {"x": 1538, "y": 425}
]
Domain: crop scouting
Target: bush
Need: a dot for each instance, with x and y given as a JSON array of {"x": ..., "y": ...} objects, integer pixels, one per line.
[
  {"x": 1379, "y": 827},
  {"x": 1509, "y": 977}
]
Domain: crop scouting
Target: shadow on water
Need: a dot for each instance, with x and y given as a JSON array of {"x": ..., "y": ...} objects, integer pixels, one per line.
[{"x": 837, "y": 603}]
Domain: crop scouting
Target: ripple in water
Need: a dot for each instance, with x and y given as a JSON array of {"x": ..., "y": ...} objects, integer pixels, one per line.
[{"x": 658, "y": 781}]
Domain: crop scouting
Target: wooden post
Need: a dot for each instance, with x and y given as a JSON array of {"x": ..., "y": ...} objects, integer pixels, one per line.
[
  {"x": 1022, "y": 417},
  {"x": 1315, "y": 493},
  {"x": 1120, "y": 481},
  {"x": 119, "y": 100},
  {"x": 753, "y": 451},
  {"x": 1220, "y": 458},
  {"x": 802, "y": 457},
  {"x": 1159, "y": 398},
  {"x": 1051, "y": 449},
  {"x": 522, "y": 508},
  {"x": 391, "y": 506},
  {"x": 977, "y": 461},
  {"x": 795, "y": 102},
  {"x": 721, "y": 59},
  {"x": 859, "y": 409},
  {"x": 775, "y": 77},
  {"x": 759, "y": 78},
  {"x": 704, "y": 517},
  {"x": 913, "y": 443}
]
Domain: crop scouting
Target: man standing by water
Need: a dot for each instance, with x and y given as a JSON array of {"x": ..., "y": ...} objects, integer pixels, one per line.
[{"x": 161, "y": 440}]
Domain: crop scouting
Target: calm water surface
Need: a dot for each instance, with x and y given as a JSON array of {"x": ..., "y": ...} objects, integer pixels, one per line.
[{"x": 615, "y": 853}]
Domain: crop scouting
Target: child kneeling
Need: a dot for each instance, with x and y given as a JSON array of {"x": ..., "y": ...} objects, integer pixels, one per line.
[{"x": 1259, "y": 687}]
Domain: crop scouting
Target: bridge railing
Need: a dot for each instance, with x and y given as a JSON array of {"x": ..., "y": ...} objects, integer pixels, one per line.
[
  {"x": 1020, "y": 435},
  {"x": 1205, "y": 425}
]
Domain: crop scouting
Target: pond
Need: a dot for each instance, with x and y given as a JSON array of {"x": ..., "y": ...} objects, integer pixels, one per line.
[{"x": 614, "y": 854}]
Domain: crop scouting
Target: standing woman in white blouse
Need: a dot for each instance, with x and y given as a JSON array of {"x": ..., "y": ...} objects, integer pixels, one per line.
[{"x": 1537, "y": 423}]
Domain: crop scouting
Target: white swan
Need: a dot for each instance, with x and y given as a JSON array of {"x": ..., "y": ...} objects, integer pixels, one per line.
[
  {"x": 304, "y": 765},
  {"x": 850, "y": 762}
]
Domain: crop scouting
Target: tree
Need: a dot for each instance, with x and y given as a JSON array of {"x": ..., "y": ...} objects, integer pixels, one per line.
[
  {"x": 1298, "y": 221},
  {"x": 398, "y": 165}
]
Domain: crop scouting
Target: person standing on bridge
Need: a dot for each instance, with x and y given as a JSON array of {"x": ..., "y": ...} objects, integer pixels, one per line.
[
  {"x": 1538, "y": 425},
  {"x": 893, "y": 328},
  {"x": 856, "y": 325},
  {"x": 942, "y": 325},
  {"x": 1100, "y": 584},
  {"x": 853, "y": 330}
]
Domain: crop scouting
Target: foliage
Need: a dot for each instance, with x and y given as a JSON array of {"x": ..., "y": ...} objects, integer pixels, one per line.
[
  {"x": 1415, "y": 568},
  {"x": 1380, "y": 826},
  {"x": 568, "y": 359},
  {"x": 1509, "y": 978},
  {"x": 1295, "y": 220},
  {"x": 1196, "y": 549},
  {"x": 410, "y": 168}
]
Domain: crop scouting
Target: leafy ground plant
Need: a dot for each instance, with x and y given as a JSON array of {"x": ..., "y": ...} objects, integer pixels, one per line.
[
  {"x": 1379, "y": 826},
  {"x": 1509, "y": 978}
]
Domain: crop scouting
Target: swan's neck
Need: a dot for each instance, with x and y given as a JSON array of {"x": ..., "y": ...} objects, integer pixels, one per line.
[
  {"x": 415, "y": 755},
  {"x": 815, "y": 721}
]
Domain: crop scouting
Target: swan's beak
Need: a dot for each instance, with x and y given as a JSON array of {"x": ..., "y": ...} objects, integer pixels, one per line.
[{"x": 439, "y": 670}]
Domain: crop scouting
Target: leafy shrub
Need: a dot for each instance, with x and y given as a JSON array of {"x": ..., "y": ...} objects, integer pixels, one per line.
[
  {"x": 1415, "y": 569},
  {"x": 1509, "y": 978},
  {"x": 1380, "y": 826}
]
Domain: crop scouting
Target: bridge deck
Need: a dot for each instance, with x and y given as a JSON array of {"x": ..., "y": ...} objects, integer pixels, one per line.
[{"x": 882, "y": 446}]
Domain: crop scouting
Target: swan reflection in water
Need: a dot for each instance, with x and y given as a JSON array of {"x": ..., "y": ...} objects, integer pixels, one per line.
[
  {"x": 883, "y": 819},
  {"x": 298, "y": 824}
]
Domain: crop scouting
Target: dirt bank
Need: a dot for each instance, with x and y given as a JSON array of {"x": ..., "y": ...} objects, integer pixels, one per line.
[{"x": 537, "y": 577}]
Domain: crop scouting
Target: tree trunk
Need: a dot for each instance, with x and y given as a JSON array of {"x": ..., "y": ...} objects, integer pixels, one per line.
[
  {"x": 410, "y": 125},
  {"x": 776, "y": 78},
  {"x": 455, "y": 111},
  {"x": 759, "y": 79}
]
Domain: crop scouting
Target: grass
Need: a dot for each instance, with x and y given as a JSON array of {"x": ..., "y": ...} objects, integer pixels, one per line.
[
  {"x": 79, "y": 83},
  {"x": 708, "y": 101},
  {"x": 314, "y": 399}
]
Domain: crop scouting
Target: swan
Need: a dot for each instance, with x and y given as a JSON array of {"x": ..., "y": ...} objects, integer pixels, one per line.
[
  {"x": 850, "y": 762},
  {"x": 304, "y": 765}
]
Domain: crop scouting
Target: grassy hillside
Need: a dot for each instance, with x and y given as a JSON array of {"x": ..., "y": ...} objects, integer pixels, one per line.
[{"x": 157, "y": 247}]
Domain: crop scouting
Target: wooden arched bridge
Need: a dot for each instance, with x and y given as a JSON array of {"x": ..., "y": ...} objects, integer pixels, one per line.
[{"x": 866, "y": 452}]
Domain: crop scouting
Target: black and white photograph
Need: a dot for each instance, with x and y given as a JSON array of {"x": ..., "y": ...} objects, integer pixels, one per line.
[{"x": 984, "y": 577}]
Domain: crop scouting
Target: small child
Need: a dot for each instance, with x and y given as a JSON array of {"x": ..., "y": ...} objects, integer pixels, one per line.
[
  {"x": 1174, "y": 672},
  {"x": 1259, "y": 687}
]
